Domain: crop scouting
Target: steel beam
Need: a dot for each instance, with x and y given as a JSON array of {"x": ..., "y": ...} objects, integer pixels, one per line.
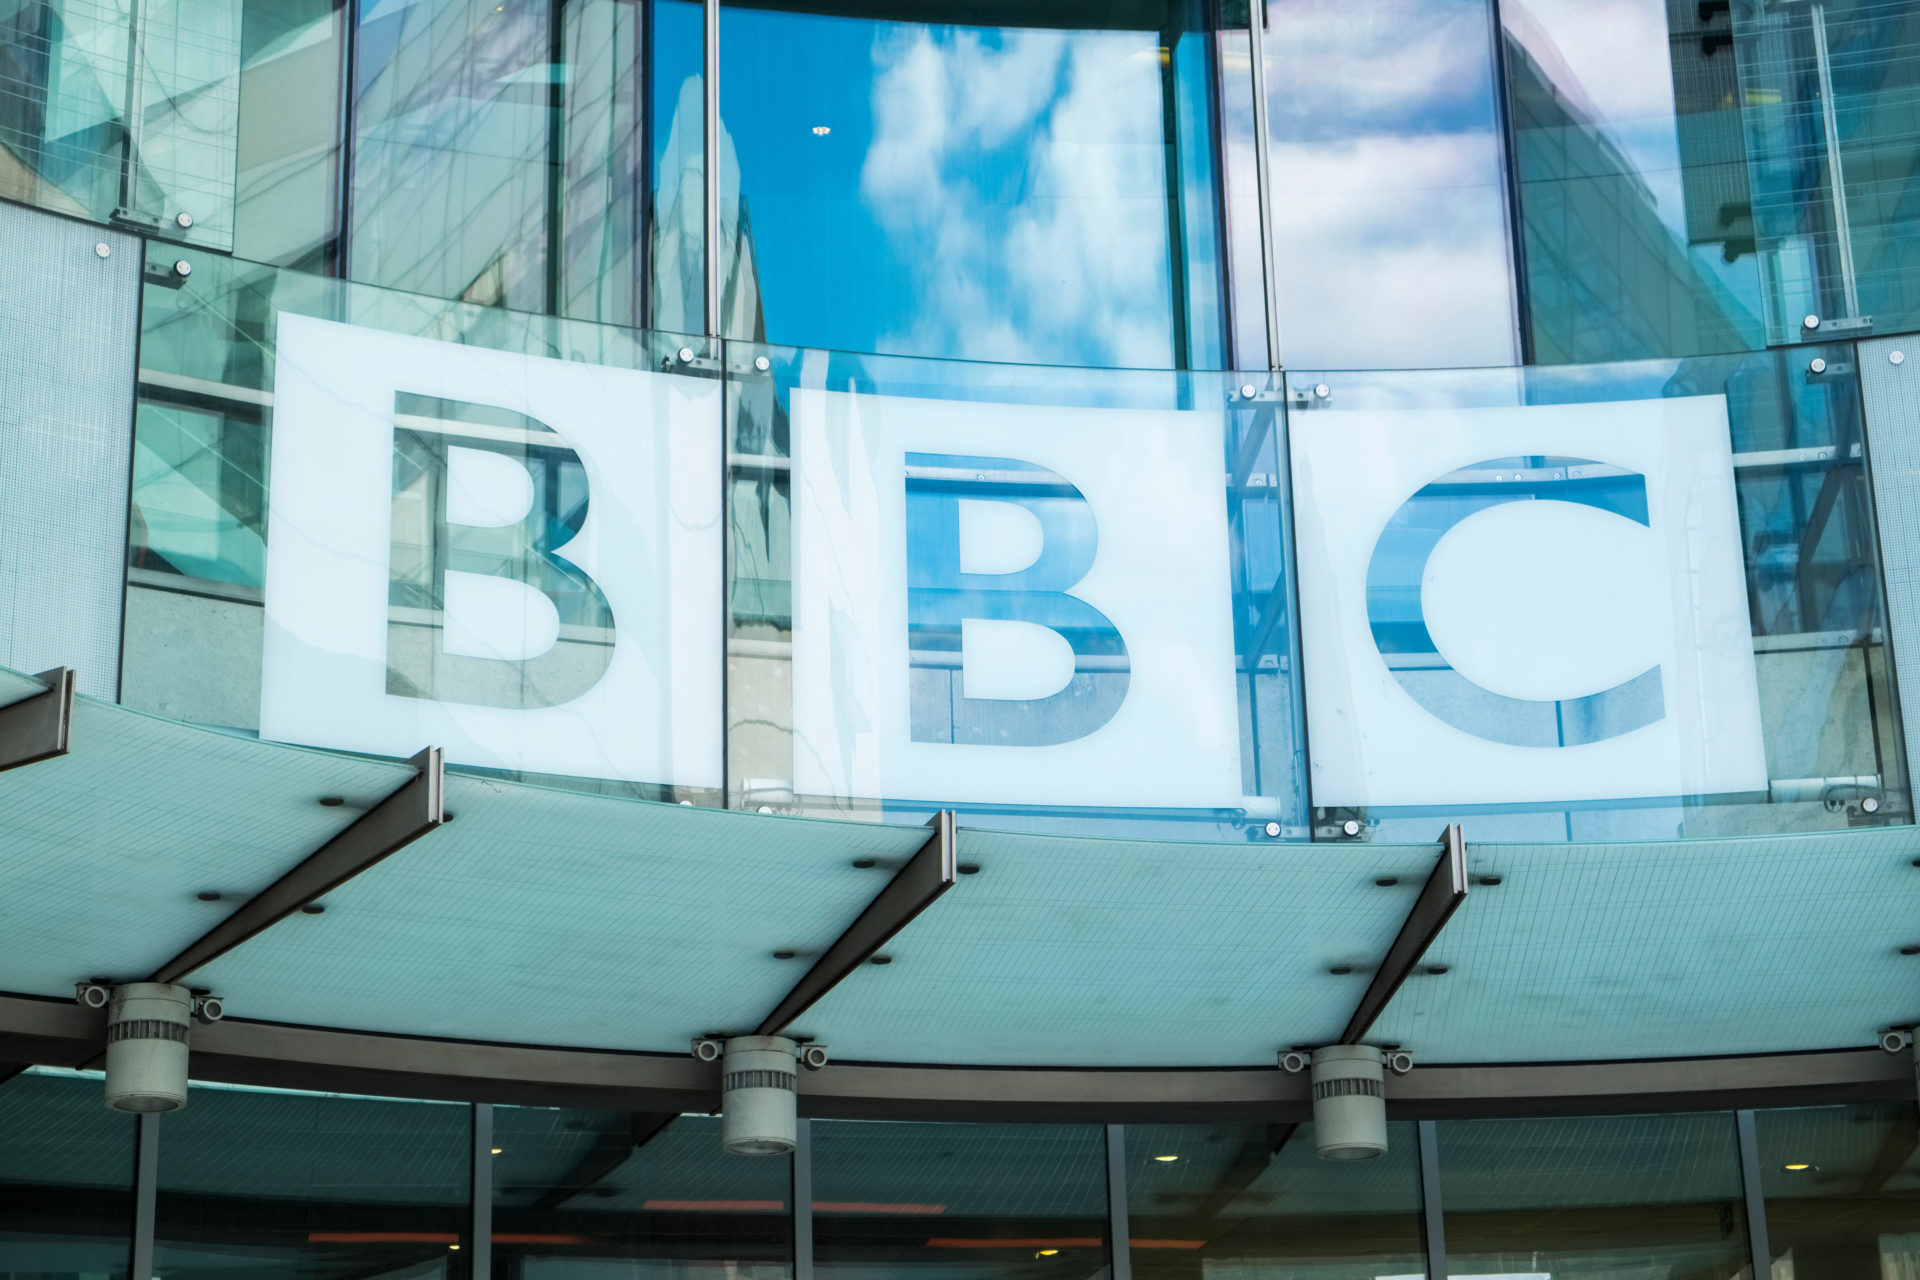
[
  {"x": 403, "y": 817},
  {"x": 39, "y": 726},
  {"x": 1440, "y": 897},
  {"x": 926, "y": 875}
]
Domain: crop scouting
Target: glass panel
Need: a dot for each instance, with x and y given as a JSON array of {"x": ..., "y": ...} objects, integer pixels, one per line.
[
  {"x": 1779, "y": 551},
  {"x": 291, "y": 75},
  {"x": 1389, "y": 218},
  {"x": 187, "y": 118},
  {"x": 600, "y": 211},
  {"x": 970, "y": 1202},
  {"x": 996, "y": 191},
  {"x": 1843, "y": 1191},
  {"x": 677, "y": 293},
  {"x": 1601, "y": 1197},
  {"x": 574, "y": 1199},
  {"x": 66, "y": 1178},
  {"x": 1216, "y": 1201},
  {"x": 1827, "y": 95},
  {"x": 266, "y": 1183},
  {"x": 71, "y": 112},
  {"x": 931, "y": 644},
  {"x": 1637, "y": 234},
  {"x": 452, "y": 119},
  {"x": 474, "y": 451}
]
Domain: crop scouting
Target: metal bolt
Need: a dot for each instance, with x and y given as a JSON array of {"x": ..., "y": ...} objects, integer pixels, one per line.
[
  {"x": 1273, "y": 830},
  {"x": 1870, "y": 804},
  {"x": 1896, "y": 357},
  {"x": 686, "y": 355},
  {"x": 1816, "y": 365},
  {"x": 1248, "y": 392},
  {"x": 762, "y": 363},
  {"x": 183, "y": 268},
  {"x": 765, "y": 808},
  {"x": 102, "y": 251},
  {"x": 1811, "y": 322},
  {"x": 184, "y": 219},
  {"x": 1322, "y": 390},
  {"x": 1350, "y": 827}
]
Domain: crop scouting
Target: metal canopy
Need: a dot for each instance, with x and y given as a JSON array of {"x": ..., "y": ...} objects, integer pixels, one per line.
[
  {"x": 1444, "y": 891},
  {"x": 927, "y": 874},
  {"x": 561, "y": 921},
  {"x": 403, "y": 817},
  {"x": 37, "y": 726}
]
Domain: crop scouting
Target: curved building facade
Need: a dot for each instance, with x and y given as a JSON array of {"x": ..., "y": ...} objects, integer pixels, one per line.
[{"x": 681, "y": 640}]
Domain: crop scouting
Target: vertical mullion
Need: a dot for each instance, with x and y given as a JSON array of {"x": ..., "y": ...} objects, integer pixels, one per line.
[
  {"x": 480, "y": 1264},
  {"x": 1433, "y": 1223},
  {"x": 1758, "y": 1247},
  {"x": 1118, "y": 1234},
  {"x": 146, "y": 1188},
  {"x": 710, "y": 85},
  {"x": 1263, "y": 176},
  {"x": 803, "y": 1201}
]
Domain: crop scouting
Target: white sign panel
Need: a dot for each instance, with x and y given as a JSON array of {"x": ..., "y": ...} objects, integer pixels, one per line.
[
  {"x": 512, "y": 557},
  {"x": 1011, "y": 604},
  {"x": 1510, "y": 605}
]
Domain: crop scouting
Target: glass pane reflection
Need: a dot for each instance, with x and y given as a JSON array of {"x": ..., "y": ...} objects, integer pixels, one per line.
[
  {"x": 267, "y": 1183},
  {"x": 574, "y": 1198},
  {"x": 66, "y": 1178},
  {"x": 1389, "y": 219},
  {"x": 1843, "y": 1191},
  {"x": 973, "y": 191},
  {"x": 1216, "y": 1201},
  {"x": 959, "y": 1201},
  {"x": 1593, "y": 1197}
]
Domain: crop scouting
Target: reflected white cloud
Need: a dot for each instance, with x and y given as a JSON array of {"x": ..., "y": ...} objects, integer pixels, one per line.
[
  {"x": 1020, "y": 177},
  {"x": 1389, "y": 219}
]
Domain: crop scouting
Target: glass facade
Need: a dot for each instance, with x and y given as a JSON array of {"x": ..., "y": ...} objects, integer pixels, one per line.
[
  {"x": 253, "y": 1181},
  {"x": 1178, "y": 249}
]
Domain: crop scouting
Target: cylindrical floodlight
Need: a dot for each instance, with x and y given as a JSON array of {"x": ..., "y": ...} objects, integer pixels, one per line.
[
  {"x": 1349, "y": 1102},
  {"x": 757, "y": 1111},
  {"x": 147, "y": 1046}
]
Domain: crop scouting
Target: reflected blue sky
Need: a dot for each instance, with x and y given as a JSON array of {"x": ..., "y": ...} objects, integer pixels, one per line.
[{"x": 968, "y": 192}]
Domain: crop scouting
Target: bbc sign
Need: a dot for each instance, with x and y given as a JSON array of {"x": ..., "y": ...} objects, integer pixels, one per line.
[{"x": 520, "y": 559}]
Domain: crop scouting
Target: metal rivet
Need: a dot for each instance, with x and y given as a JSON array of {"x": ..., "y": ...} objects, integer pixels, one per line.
[
  {"x": 1811, "y": 322},
  {"x": 1341, "y": 970},
  {"x": 765, "y": 808},
  {"x": 1896, "y": 357},
  {"x": 331, "y": 802},
  {"x": 1489, "y": 881},
  {"x": 783, "y": 955},
  {"x": 968, "y": 868},
  {"x": 208, "y": 897},
  {"x": 1322, "y": 390},
  {"x": 183, "y": 268},
  {"x": 1816, "y": 365},
  {"x": 1273, "y": 830},
  {"x": 686, "y": 355},
  {"x": 1249, "y": 391},
  {"x": 184, "y": 219},
  {"x": 1387, "y": 882},
  {"x": 1350, "y": 827},
  {"x": 102, "y": 250},
  {"x": 883, "y": 960},
  {"x": 312, "y": 909},
  {"x": 865, "y": 864},
  {"x": 762, "y": 363},
  {"x": 1870, "y": 804}
]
